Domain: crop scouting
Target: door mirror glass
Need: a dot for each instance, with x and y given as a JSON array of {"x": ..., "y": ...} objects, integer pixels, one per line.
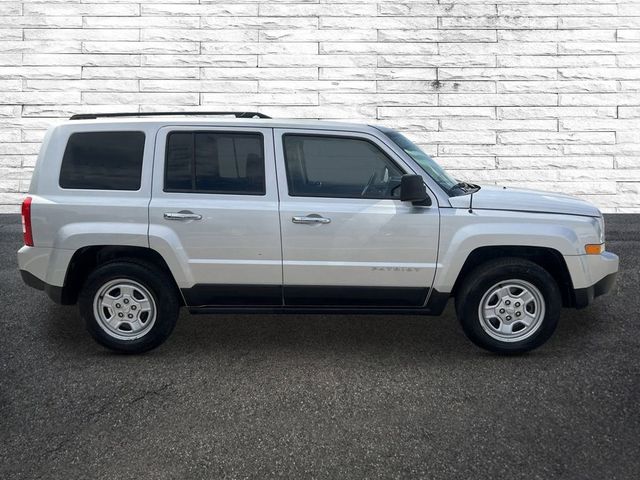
[{"x": 412, "y": 189}]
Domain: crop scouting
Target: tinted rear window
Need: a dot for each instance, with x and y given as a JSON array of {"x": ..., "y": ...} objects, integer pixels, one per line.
[
  {"x": 103, "y": 161},
  {"x": 215, "y": 162}
]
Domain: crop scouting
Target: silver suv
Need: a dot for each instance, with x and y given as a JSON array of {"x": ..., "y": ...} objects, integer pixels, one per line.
[{"x": 133, "y": 218}]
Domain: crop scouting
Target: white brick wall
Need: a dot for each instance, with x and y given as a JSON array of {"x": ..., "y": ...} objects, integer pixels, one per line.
[{"x": 538, "y": 93}]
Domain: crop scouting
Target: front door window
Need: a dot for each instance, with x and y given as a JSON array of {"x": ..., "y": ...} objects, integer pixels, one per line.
[{"x": 338, "y": 167}]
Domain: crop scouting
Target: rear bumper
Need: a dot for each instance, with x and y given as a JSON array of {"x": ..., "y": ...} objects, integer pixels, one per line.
[
  {"x": 45, "y": 269},
  {"x": 54, "y": 293},
  {"x": 584, "y": 296}
]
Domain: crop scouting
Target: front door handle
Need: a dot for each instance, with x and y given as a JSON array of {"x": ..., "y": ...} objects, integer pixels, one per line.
[
  {"x": 182, "y": 215},
  {"x": 311, "y": 219}
]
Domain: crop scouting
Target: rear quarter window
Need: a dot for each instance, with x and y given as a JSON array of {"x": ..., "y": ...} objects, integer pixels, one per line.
[{"x": 103, "y": 161}]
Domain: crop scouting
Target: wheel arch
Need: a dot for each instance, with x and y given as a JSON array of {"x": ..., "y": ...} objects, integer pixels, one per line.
[
  {"x": 87, "y": 259},
  {"x": 548, "y": 258}
]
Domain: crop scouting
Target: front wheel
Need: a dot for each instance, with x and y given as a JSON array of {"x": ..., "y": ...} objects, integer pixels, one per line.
[
  {"x": 129, "y": 306},
  {"x": 509, "y": 306}
]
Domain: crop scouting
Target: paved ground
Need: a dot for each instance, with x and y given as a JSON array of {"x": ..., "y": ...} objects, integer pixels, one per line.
[{"x": 317, "y": 396}]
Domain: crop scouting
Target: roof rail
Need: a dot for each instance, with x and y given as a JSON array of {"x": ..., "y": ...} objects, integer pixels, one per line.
[{"x": 91, "y": 116}]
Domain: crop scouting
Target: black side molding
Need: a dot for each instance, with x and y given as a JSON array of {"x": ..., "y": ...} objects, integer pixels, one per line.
[
  {"x": 232, "y": 295},
  {"x": 334, "y": 296},
  {"x": 213, "y": 298},
  {"x": 212, "y": 295}
]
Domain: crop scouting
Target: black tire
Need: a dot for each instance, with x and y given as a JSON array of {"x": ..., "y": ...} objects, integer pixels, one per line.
[
  {"x": 157, "y": 283},
  {"x": 486, "y": 276}
]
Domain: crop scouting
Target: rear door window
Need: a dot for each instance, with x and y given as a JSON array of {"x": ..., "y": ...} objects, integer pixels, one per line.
[
  {"x": 103, "y": 161},
  {"x": 215, "y": 162}
]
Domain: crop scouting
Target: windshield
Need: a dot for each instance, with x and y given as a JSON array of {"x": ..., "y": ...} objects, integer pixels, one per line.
[{"x": 427, "y": 163}]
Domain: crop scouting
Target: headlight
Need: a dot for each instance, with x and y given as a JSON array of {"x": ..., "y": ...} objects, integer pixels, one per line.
[
  {"x": 601, "y": 226},
  {"x": 596, "y": 248}
]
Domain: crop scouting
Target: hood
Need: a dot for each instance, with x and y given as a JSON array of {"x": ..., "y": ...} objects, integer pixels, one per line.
[{"x": 491, "y": 197}]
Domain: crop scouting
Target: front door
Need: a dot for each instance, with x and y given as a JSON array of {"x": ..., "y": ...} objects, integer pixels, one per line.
[
  {"x": 347, "y": 239},
  {"x": 214, "y": 214}
]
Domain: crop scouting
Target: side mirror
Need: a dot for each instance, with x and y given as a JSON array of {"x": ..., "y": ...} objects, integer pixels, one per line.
[{"x": 412, "y": 189}]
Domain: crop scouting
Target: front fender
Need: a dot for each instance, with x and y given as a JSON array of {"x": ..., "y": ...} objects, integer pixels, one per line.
[{"x": 463, "y": 232}]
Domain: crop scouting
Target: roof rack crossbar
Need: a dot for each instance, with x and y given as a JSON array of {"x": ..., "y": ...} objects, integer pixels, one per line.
[{"x": 92, "y": 116}]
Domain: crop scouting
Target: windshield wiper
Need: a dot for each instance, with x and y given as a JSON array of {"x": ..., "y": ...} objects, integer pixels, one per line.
[{"x": 466, "y": 187}]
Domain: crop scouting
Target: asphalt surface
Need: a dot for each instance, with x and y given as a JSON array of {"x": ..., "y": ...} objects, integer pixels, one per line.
[{"x": 311, "y": 396}]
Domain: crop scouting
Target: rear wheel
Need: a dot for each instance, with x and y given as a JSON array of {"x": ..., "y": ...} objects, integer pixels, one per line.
[
  {"x": 129, "y": 306},
  {"x": 510, "y": 305}
]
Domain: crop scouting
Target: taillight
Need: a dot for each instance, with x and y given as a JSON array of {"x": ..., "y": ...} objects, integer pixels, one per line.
[{"x": 26, "y": 222}]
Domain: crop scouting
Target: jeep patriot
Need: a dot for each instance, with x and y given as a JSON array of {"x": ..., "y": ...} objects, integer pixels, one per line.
[{"x": 133, "y": 216}]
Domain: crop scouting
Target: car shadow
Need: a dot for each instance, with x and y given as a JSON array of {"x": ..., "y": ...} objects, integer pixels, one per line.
[{"x": 368, "y": 336}]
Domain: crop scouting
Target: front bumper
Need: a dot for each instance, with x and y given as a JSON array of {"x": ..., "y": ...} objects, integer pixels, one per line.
[
  {"x": 591, "y": 276},
  {"x": 584, "y": 296}
]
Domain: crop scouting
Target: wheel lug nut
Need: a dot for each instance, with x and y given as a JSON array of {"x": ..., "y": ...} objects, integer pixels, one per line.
[
  {"x": 133, "y": 307},
  {"x": 126, "y": 300},
  {"x": 129, "y": 316},
  {"x": 502, "y": 310},
  {"x": 507, "y": 302},
  {"x": 517, "y": 314},
  {"x": 517, "y": 304},
  {"x": 508, "y": 317},
  {"x": 121, "y": 314},
  {"x": 118, "y": 305}
]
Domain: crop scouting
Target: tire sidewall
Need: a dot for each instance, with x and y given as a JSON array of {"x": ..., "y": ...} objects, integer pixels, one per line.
[
  {"x": 165, "y": 300},
  {"x": 484, "y": 280}
]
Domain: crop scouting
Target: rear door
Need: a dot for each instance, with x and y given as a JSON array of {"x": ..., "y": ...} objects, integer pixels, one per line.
[
  {"x": 214, "y": 211},
  {"x": 347, "y": 239}
]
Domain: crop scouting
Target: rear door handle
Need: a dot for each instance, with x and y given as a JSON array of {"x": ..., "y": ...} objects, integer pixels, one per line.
[
  {"x": 182, "y": 215},
  {"x": 311, "y": 219}
]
